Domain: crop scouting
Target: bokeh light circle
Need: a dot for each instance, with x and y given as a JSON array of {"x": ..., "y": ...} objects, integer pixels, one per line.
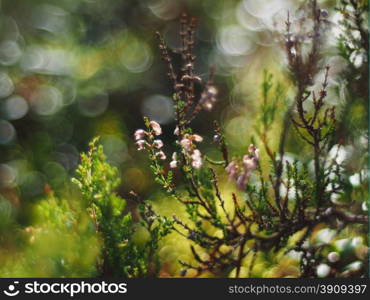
[
  {"x": 46, "y": 101},
  {"x": 6, "y": 85},
  {"x": 7, "y": 175},
  {"x": 158, "y": 108},
  {"x": 10, "y": 53},
  {"x": 15, "y": 107},
  {"x": 137, "y": 57},
  {"x": 94, "y": 105},
  {"x": 7, "y": 132}
]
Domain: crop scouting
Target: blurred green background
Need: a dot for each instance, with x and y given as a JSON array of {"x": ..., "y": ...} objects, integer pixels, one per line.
[{"x": 71, "y": 70}]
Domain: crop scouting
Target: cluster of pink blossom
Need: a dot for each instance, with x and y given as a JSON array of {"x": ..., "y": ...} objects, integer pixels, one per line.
[
  {"x": 142, "y": 143},
  {"x": 241, "y": 174},
  {"x": 147, "y": 140},
  {"x": 189, "y": 149}
]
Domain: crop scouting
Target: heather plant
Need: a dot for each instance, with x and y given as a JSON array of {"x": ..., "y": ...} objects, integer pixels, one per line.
[
  {"x": 121, "y": 255},
  {"x": 284, "y": 217}
]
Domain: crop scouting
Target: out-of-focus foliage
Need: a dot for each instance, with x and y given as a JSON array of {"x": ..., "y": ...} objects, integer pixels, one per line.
[{"x": 61, "y": 242}]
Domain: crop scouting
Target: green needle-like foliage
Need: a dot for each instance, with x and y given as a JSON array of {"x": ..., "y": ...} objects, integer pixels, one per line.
[{"x": 121, "y": 256}]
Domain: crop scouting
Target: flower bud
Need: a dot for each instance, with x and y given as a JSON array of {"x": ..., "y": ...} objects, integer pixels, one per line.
[
  {"x": 158, "y": 144},
  {"x": 186, "y": 144},
  {"x": 250, "y": 163},
  {"x": 161, "y": 155},
  {"x": 140, "y": 145},
  {"x": 197, "y": 138},
  {"x": 139, "y": 134},
  {"x": 173, "y": 164},
  {"x": 156, "y": 127},
  {"x": 197, "y": 159},
  {"x": 232, "y": 171}
]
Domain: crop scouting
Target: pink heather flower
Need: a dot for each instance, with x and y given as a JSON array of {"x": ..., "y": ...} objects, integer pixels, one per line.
[
  {"x": 177, "y": 131},
  {"x": 186, "y": 144},
  {"x": 257, "y": 154},
  {"x": 158, "y": 144},
  {"x": 252, "y": 148},
  {"x": 156, "y": 127},
  {"x": 140, "y": 145},
  {"x": 197, "y": 163},
  {"x": 232, "y": 170},
  {"x": 161, "y": 155},
  {"x": 197, "y": 138},
  {"x": 173, "y": 163},
  {"x": 139, "y": 134},
  {"x": 174, "y": 156},
  {"x": 212, "y": 91},
  {"x": 250, "y": 163},
  {"x": 196, "y": 159},
  {"x": 187, "y": 141},
  {"x": 242, "y": 180},
  {"x": 196, "y": 154},
  {"x": 254, "y": 151}
]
